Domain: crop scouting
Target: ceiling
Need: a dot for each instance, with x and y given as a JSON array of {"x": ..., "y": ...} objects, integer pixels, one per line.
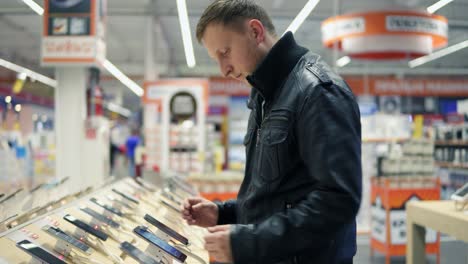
[{"x": 127, "y": 24}]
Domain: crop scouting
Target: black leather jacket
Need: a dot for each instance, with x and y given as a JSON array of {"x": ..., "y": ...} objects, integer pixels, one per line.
[{"x": 302, "y": 185}]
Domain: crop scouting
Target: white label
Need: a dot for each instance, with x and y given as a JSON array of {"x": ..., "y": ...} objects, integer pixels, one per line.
[
  {"x": 379, "y": 225},
  {"x": 343, "y": 27},
  {"x": 397, "y": 227},
  {"x": 416, "y": 24},
  {"x": 69, "y": 47}
]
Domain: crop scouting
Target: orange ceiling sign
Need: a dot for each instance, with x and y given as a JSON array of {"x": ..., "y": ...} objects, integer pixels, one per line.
[
  {"x": 385, "y": 34},
  {"x": 409, "y": 87}
]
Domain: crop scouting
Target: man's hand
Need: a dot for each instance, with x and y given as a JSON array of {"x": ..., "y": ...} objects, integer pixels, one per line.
[
  {"x": 199, "y": 211},
  {"x": 218, "y": 243}
]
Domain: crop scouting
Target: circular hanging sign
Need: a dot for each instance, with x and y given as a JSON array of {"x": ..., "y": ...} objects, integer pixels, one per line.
[
  {"x": 183, "y": 105},
  {"x": 385, "y": 34}
]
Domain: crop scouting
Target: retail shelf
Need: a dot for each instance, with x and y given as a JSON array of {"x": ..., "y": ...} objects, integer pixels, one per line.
[
  {"x": 451, "y": 165},
  {"x": 384, "y": 140},
  {"x": 452, "y": 143}
]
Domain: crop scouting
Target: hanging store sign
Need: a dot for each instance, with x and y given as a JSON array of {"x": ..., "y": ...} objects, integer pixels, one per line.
[
  {"x": 73, "y": 32},
  {"x": 456, "y": 87},
  {"x": 385, "y": 34}
]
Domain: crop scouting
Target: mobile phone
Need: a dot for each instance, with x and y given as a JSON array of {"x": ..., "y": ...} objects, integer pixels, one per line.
[
  {"x": 144, "y": 186},
  {"x": 137, "y": 254},
  {"x": 172, "y": 198},
  {"x": 163, "y": 245},
  {"x": 107, "y": 207},
  {"x": 38, "y": 252},
  {"x": 36, "y": 188},
  {"x": 171, "y": 206},
  {"x": 461, "y": 194},
  {"x": 60, "y": 234},
  {"x": 100, "y": 217},
  {"x": 185, "y": 187},
  {"x": 87, "y": 228},
  {"x": 125, "y": 204},
  {"x": 11, "y": 195},
  {"x": 171, "y": 232},
  {"x": 131, "y": 199}
]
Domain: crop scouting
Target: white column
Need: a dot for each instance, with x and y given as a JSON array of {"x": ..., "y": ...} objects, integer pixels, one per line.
[
  {"x": 70, "y": 114},
  {"x": 150, "y": 67}
]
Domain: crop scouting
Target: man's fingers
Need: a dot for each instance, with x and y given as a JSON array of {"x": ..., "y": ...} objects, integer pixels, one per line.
[
  {"x": 218, "y": 228},
  {"x": 197, "y": 206}
]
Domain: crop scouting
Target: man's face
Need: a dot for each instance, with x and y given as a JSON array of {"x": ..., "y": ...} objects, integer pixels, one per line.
[{"x": 236, "y": 53}]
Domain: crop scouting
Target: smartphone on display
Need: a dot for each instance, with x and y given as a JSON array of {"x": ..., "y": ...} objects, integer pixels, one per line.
[
  {"x": 171, "y": 206},
  {"x": 131, "y": 199},
  {"x": 85, "y": 227},
  {"x": 39, "y": 253},
  {"x": 36, "y": 188},
  {"x": 158, "y": 242},
  {"x": 171, "y": 198},
  {"x": 183, "y": 187},
  {"x": 100, "y": 217},
  {"x": 171, "y": 232},
  {"x": 144, "y": 186},
  {"x": 11, "y": 195},
  {"x": 60, "y": 234},
  {"x": 461, "y": 194},
  {"x": 137, "y": 254},
  {"x": 107, "y": 207}
]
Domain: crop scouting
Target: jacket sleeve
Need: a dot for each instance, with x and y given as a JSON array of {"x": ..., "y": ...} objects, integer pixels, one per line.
[
  {"x": 328, "y": 135},
  {"x": 227, "y": 213}
]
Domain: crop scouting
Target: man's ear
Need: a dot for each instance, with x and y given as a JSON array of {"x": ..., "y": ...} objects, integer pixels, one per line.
[{"x": 257, "y": 30}]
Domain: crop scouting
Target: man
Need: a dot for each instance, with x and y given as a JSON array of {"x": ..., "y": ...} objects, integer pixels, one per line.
[{"x": 302, "y": 185}]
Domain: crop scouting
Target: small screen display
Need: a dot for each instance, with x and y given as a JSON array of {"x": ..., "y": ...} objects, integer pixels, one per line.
[
  {"x": 153, "y": 239},
  {"x": 171, "y": 232},
  {"x": 38, "y": 252},
  {"x": 137, "y": 254},
  {"x": 85, "y": 227},
  {"x": 60, "y": 234},
  {"x": 131, "y": 199},
  {"x": 100, "y": 217},
  {"x": 107, "y": 207}
]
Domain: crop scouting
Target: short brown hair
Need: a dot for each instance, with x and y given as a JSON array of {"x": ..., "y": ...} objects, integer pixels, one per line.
[{"x": 232, "y": 13}]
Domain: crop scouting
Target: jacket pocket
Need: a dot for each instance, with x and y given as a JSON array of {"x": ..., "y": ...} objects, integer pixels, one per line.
[{"x": 274, "y": 149}]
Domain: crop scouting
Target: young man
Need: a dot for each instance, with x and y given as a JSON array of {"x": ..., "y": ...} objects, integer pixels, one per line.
[{"x": 302, "y": 185}]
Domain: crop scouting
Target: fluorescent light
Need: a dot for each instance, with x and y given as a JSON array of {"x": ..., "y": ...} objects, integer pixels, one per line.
[
  {"x": 123, "y": 78},
  {"x": 22, "y": 76},
  {"x": 119, "y": 109},
  {"x": 438, "y": 5},
  {"x": 28, "y": 72},
  {"x": 18, "y": 108},
  {"x": 438, "y": 54},
  {"x": 301, "y": 17},
  {"x": 34, "y": 6},
  {"x": 8, "y": 99},
  {"x": 343, "y": 61},
  {"x": 186, "y": 35}
]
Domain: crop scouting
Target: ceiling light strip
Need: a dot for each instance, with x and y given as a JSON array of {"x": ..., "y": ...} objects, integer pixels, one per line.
[
  {"x": 123, "y": 78},
  {"x": 119, "y": 109},
  {"x": 302, "y": 16},
  {"x": 34, "y": 6},
  {"x": 186, "y": 34},
  {"x": 343, "y": 61},
  {"x": 438, "y": 5},
  {"x": 438, "y": 54},
  {"x": 31, "y": 74}
]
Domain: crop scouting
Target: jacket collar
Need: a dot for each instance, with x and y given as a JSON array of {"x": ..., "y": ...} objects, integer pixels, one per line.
[{"x": 276, "y": 66}]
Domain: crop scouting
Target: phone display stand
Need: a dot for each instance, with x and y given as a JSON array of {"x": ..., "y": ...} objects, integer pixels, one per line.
[
  {"x": 36, "y": 261},
  {"x": 81, "y": 235},
  {"x": 63, "y": 248},
  {"x": 158, "y": 254}
]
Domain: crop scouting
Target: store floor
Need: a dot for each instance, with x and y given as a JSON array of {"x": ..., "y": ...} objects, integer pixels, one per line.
[{"x": 452, "y": 252}]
